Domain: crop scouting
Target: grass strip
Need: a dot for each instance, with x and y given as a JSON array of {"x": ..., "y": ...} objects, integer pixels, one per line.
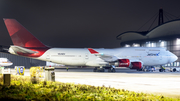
[{"x": 24, "y": 88}]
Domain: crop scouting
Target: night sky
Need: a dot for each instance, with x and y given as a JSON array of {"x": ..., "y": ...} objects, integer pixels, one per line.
[{"x": 81, "y": 23}]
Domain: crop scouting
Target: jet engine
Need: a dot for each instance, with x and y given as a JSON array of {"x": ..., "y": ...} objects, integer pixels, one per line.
[
  {"x": 127, "y": 63},
  {"x": 122, "y": 63},
  {"x": 136, "y": 65}
]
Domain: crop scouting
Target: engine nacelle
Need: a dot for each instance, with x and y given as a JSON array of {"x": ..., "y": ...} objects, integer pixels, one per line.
[
  {"x": 122, "y": 63},
  {"x": 136, "y": 65}
]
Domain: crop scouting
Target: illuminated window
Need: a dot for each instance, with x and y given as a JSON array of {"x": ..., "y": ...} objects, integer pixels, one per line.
[
  {"x": 163, "y": 44},
  {"x": 148, "y": 44},
  {"x": 171, "y": 64},
  {"x": 136, "y": 45},
  {"x": 153, "y": 44},
  {"x": 177, "y": 41},
  {"x": 177, "y": 63},
  {"x": 127, "y": 45}
]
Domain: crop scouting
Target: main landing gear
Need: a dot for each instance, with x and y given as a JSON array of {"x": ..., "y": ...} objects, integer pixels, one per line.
[
  {"x": 102, "y": 69},
  {"x": 96, "y": 69},
  {"x": 111, "y": 70}
]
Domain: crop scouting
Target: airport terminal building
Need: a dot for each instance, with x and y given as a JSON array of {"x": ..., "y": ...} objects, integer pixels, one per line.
[{"x": 165, "y": 35}]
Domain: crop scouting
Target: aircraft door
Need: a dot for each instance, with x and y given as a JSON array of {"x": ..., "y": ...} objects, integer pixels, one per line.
[
  {"x": 140, "y": 56},
  {"x": 160, "y": 57},
  {"x": 48, "y": 56},
  {"x": 86, "y": 56}
]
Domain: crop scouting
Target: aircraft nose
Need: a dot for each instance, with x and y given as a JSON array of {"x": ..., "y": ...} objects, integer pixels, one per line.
[{"x": 173, "y": 57}]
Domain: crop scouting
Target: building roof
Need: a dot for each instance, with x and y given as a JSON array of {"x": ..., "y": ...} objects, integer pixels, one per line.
[{"x": 170, "y": 28}]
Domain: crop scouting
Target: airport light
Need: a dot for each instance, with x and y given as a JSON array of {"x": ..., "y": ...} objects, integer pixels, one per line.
[
  {"x": 153, "y": 44},
  {"x": 177, "y": 41},
  {"x": 162, "y": 44},
  {"x": 172, "y": 64},
  {"x": 136, "y": 45},
  {"x": 127, "y": 45},
  {"x": 148, "y": 44},
  {"x": 177, "y": 64}
]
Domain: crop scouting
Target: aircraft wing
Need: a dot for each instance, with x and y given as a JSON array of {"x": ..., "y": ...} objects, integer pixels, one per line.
[
  {"x": 18, "y": 49},
  {"x": 105, "y": 57}
]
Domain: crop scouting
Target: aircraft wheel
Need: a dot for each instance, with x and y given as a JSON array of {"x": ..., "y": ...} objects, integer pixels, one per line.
[
  {"x": 109, "y": 70},
  {"x": 139, "y": 69},
  {"x": 98, "y": 70},
  {"x": 113, "y": 70},
  {"x": 102, "y": 70},
  {"x": 160, "y": 70},
  {"x": 95, "y": 69},
  {"x": 144, "y": 70},
  {"x": 174, "y": 70}
]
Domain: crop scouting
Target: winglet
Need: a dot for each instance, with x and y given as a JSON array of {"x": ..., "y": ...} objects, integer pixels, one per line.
[{"x": 92, "y": 51}]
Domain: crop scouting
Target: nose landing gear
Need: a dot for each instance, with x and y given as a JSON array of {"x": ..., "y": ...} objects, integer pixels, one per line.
[
  {"x": 96, "y": 69},
  {"x": 111, "y": 70}
]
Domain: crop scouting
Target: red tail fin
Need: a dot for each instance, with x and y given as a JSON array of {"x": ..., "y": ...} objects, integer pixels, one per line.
[{"x": 20, "y": 35}]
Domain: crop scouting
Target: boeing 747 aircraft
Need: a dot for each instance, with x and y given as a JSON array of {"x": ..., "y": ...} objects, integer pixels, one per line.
[{"x": 25, "y": 44}]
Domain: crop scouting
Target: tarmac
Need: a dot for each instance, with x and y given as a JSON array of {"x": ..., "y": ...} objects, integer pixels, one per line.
[{"x": 165, "y": 83}]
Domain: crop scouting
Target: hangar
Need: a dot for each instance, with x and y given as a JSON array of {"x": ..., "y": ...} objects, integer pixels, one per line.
[{"x": 165, "y": 35}]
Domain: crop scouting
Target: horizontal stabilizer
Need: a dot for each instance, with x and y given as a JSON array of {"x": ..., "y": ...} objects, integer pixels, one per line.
[{"x": 18, "y": 49}]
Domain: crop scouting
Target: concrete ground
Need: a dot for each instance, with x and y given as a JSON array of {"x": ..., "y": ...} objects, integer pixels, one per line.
[{"x": 165, "y": 83}]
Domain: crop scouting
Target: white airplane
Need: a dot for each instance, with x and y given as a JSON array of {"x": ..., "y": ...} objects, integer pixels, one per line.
[
  {"x": 5, "y": 62},
  {"x": 25, "y": 44}
]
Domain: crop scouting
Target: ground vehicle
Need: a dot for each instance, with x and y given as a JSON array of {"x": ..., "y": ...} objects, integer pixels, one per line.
[{"x": 174, "y": 69}]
